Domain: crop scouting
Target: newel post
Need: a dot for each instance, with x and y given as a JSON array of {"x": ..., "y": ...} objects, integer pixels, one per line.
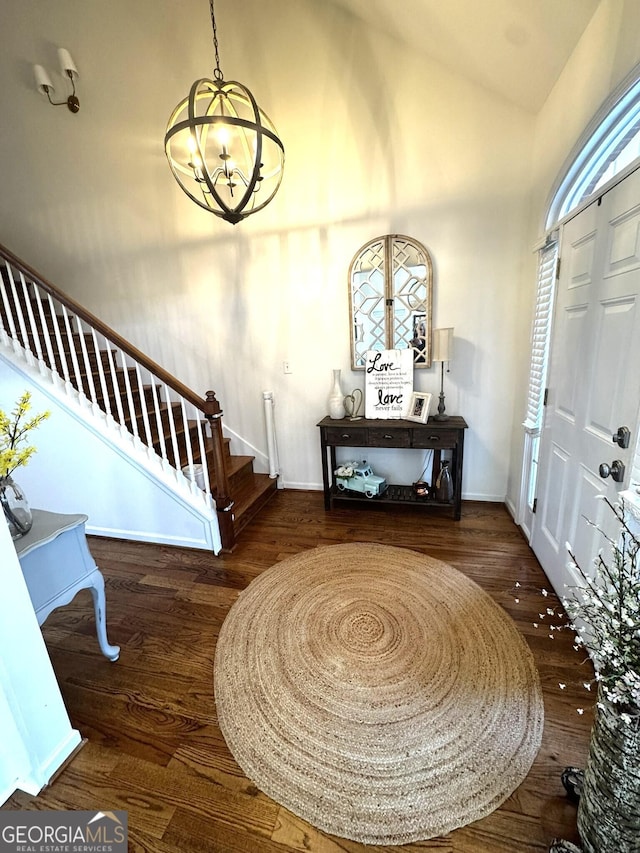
[{"x": 218, "y": 477}]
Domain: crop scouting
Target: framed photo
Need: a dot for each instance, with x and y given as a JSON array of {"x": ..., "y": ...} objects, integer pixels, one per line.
[
  {"x": 419, "y": 340},
  {"x": 419, "y": 407}
]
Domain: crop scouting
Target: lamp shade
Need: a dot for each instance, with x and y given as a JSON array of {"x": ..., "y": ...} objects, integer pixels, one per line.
[
  {"x": 442, "y": 344},
  {"x": 43, "y": 81},
  {"x": 67, "y": 65}
]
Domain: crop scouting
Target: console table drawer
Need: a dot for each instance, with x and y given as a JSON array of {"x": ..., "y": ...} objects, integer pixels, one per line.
[
  {"x": 435, "y": 438},
  {"x": 353, "y": 437},
  {"x": 389, "y": 436}
]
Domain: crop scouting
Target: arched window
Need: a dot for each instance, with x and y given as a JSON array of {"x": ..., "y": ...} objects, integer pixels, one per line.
[{"x": 608, "y": 146}]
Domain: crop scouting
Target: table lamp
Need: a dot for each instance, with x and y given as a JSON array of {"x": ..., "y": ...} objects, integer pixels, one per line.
[{"x": 442, "y": 351}]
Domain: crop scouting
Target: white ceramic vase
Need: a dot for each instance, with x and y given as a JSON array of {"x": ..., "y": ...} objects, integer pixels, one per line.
[{"x": 336, "y": 398}]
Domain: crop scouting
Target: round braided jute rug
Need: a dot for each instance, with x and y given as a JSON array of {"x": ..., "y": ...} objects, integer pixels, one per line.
[{"x": 377, "y": 693}]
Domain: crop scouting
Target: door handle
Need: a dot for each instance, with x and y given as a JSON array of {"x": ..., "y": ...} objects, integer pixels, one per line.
[
  {"x": 616, "y": 470},
  {"x": 622, "y": 436}
]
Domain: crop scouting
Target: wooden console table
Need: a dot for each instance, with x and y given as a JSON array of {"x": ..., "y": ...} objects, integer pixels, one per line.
[
  {"x": 434, "y": 435},
  {"x": 56, "y": 564}
]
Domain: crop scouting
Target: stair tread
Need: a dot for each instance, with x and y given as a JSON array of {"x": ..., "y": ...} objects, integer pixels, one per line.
[
  {"x": 250, "y": 500},
  {"x": 233, "y": 464}
]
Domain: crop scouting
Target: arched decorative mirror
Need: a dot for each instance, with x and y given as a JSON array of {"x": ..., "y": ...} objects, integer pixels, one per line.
[{"x": 390, "y": 287}]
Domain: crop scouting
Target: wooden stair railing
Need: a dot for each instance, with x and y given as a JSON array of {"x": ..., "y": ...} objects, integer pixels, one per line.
[{"x": 138, "y": 396}]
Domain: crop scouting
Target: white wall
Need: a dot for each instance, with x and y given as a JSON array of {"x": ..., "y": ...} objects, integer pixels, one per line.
[{"x": 378, "y": 139}]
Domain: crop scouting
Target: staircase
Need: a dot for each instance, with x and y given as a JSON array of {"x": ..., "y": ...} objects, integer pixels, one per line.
[{"x": 178, "y": 429}]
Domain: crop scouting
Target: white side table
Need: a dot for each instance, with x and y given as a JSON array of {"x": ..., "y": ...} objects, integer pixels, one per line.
[{"x": 56, "y": 563}]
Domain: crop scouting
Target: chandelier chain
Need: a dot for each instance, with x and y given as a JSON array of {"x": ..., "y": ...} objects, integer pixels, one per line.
[{"x": 217, "y": 73}]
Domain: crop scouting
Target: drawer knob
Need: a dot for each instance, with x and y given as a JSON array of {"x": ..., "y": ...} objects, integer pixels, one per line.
[
  {"x": 345, "y": 435},
  {"x": 386, "y": 435},
  {"x": 434, "y": 438}
]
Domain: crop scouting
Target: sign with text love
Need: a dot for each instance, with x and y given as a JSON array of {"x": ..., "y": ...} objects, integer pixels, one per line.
[{"x": 388, "y": 383}]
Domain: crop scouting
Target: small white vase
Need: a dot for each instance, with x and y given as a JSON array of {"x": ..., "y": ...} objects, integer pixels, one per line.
[{"x": 336, "y": 398}]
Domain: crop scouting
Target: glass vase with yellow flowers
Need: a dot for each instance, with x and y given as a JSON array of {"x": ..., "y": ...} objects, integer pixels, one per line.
[{"x": 14, "y": 452}]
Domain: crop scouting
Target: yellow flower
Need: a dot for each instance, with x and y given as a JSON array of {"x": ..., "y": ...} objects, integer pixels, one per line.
[{"x": 13, "y": 432}]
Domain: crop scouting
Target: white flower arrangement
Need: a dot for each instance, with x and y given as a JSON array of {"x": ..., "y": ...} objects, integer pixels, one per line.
[
  {"x": 344, "y": 471},
  {"x": 604, "y": 614}
]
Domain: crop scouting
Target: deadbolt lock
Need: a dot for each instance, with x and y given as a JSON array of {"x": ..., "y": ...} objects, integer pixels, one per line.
[{"x": 622, "y": 437}]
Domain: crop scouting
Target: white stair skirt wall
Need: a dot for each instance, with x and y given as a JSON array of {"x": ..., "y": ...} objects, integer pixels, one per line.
[
  {"x": 83, "y": 466},
  {"x": 36, "y": 737}
]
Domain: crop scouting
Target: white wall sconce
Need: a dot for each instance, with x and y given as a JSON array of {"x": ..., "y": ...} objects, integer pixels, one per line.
[{"x": 44, "y": 84}]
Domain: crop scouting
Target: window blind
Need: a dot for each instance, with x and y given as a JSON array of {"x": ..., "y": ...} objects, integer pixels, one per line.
[{"x": 547, "y": 265}]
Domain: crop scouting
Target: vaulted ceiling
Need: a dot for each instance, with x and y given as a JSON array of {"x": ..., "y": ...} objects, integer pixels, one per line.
[{"x": 516, "y": 48}]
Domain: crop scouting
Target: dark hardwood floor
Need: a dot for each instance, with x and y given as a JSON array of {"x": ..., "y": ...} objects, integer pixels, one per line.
[{"x": 153, "y": 745}]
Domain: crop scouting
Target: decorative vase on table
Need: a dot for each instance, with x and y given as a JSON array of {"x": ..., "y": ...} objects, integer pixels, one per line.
[
  {"x": 609, "y": 807},
  {"x": 336, "y": 398},
  {"x": 15, "y": 507},
  {"x": 444, "y": 483}
]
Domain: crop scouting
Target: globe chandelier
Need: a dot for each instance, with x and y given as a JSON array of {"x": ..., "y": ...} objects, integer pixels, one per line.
[{"x": 223, "y": 150}]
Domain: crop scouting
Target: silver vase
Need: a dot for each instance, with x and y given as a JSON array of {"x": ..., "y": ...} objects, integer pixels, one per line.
[{"x": 15, "y": 507}]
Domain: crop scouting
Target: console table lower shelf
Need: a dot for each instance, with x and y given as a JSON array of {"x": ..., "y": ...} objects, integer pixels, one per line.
[
  {"x": 444, "y": 438},
  {"x": 393, "y": 494}
]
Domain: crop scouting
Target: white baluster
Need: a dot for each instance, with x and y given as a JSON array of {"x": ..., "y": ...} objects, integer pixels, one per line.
[
  {"x": 59, "y": 345},
  {"x": 72, "y": 349},
  {"x": 20, "y": 318},
  {"x": 143, "y": 409},
  {"x": 86, "y": 361},
  {"x": 127, "y": 385},
  {"x": 101, "y": 376},
  {"x": 203, "y": 454},
  {"x": 13, "y": 333},
  {"x": 158, "y": 415},
  {"x": 45, "y": 332},
  {"x": 115, "y": 386},
  {"x": 172, "y": 427}
]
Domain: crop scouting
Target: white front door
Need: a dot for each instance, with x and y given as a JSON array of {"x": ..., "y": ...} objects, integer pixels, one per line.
[{"x": 594, "y": 380}]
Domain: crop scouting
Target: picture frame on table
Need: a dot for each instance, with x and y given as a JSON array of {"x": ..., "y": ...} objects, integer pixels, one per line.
[{"x": 419, "y": 407}]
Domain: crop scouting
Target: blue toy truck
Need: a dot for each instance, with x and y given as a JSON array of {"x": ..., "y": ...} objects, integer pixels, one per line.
[{"x": 358, "y": 477}]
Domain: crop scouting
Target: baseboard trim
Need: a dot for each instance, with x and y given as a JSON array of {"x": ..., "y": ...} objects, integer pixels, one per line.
[{"x": 146, "y": 536}]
